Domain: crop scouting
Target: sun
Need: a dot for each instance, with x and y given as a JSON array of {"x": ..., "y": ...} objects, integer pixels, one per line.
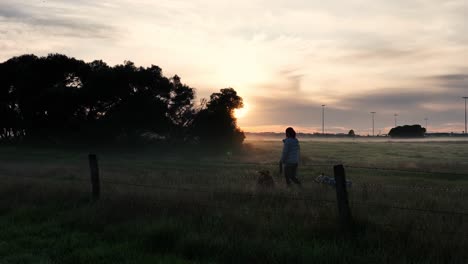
[{"x": 241, "y": 112}]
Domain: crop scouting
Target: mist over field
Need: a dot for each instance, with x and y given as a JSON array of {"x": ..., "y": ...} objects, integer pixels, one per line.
[{"x": 318, "y": 138}]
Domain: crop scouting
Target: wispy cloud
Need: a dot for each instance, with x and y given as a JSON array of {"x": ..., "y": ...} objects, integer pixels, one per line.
[{"x": 53, "y": 20}]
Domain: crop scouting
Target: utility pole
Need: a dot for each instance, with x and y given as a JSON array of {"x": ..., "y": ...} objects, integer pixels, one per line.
[
  {"x": 465, "y": 97},
  {"x": 373, "y": 113},
  {"x": 323, "y": 119},
  {"x": 395, "y": 115}
]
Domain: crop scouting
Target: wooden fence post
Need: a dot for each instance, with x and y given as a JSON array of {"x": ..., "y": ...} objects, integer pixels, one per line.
[
  {"x": 342, "y": 198},
  {"x": 94, "y": 169}
]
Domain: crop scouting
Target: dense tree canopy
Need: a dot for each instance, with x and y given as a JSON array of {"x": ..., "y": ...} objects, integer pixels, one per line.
[{"x": 61, "y": 98}]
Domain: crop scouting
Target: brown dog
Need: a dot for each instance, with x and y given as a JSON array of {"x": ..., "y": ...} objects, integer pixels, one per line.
[{"x": 264, "y": 179}]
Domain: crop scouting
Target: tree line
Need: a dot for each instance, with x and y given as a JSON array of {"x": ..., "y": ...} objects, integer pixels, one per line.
[{"x": 60, "y": 98}]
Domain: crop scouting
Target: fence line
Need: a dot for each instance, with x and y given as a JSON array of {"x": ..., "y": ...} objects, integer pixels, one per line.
[
  {"x": 397, "y": 229},
  {"x": 414, "y": 187},
  {"x": 407, "y": 171},
  {"x": 263, "y": 210},
  {"x": 431, "y": 211},
  {"x": 160, "y": 187},
  {"x": 221, "y": 165},
  {"x": 316, "y": 165},
  {"x": 247, "y": 195},
  {"x": 312, "y": 165},
  {"x": 44, "y": 178},
  {"x": 317, "y": 220}
]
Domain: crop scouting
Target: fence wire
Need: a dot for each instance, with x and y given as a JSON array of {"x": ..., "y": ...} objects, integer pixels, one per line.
[
  {"x": 251, "y": 195},
  {"x": 360, "y": 170}
]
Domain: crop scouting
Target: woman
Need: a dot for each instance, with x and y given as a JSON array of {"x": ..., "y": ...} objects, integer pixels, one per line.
[{"x": 290, "y": 156}]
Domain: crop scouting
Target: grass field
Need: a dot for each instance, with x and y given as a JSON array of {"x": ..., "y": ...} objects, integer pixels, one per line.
[{"x": 161, "y": 204}]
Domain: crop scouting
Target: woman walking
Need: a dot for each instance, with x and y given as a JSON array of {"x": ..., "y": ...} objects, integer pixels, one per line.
[{"x": 290, "y": 156}]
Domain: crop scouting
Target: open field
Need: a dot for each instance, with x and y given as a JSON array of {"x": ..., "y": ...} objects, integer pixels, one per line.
[{"x": 173, "y": 205}]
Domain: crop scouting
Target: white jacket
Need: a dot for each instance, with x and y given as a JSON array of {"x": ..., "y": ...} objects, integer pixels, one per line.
[{"x": 291, "y": 149}]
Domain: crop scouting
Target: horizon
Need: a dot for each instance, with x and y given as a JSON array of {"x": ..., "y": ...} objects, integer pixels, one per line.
[
  {"x": 285, "y": 60},
  {"x": 341, "y": 134}
]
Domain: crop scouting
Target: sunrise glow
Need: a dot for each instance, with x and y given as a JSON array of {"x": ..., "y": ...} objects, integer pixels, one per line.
[{"x": 241, "y": 113}]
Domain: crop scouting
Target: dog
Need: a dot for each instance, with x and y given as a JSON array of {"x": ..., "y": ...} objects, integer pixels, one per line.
[
  {"x": 329, "y": 180},
  {"x": 265, "y": 179}
]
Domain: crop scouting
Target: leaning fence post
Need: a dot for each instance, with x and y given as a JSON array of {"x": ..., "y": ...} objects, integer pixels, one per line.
[
  {"x": 93, "y": 166},
  {"x": 342, "y": 198}
]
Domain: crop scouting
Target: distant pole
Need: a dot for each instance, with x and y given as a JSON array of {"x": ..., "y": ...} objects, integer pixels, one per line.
[
  {"x": 465, "y": 97},
  {"x": 373, "y": 113},
  {"x": 323, "y": 119},
  {"x": 395, "y": 115}
]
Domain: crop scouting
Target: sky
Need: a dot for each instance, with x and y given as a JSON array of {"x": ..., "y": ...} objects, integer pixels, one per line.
[{"x": 285, "y": 58}]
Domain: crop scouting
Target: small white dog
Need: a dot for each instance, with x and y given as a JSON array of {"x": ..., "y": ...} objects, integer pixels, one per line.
[{"x": 329, "y": 180}]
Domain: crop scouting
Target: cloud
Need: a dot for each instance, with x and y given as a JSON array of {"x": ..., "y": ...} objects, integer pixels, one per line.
[
  {"x": 51, "y": 20},
  {"x": 11, "y": 12},
  {"x": 443, "y": 107},
  {"x": 384, "y": 54},
  {"x": 456, "y": 83},
  {"x": 293, "y": 79}
]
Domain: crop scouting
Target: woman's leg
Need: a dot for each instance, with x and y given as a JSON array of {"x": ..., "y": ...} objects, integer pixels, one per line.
[
  {"x": 286, "y": 174},
  {"x": 293, "y": 173},
  {"x": 290, "y": 171}
]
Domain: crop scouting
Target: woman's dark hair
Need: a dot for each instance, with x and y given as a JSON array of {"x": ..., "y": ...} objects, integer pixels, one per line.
[{"x": 290, "y": 133}]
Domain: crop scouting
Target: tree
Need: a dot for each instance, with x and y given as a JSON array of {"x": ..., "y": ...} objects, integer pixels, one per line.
[
  {"x": 181, "y": 107},
  {"x": 61, "y": 98},
  {"x": 351, "y": 133},
  {"x": 407, "y": 131},
  {"x": 9, "y": 114},
  {"x": 139, "y": 102},
  {"x": 216, "y": 123},
  {"x": 40, "y": 91}
]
